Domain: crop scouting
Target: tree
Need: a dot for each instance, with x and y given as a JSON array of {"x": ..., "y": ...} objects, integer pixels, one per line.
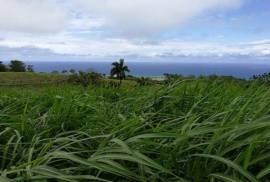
[
  {"x": 3, "y": 67},
  {"x": 17, "y": 66},
  {"x": 30, "y": 68},
  {"x": 119, "y": 70}
]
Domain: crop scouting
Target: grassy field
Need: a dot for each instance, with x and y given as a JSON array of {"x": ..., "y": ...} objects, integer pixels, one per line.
[
  {"x": 27, "y": 78},
  {"x": 191, "y": 130}
]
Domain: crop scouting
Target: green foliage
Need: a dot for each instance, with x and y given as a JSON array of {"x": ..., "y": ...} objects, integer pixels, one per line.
[
  {"x": 3, "y": 67},
  {"x": 143, "y": 81},
  {"x": 119, "y": 70},
  {"x": 171, "y": 78},
  {"x": 207, "y": 129},
  {"x": 112, "y": 84},
  {"x": 29, "y": 78},
  {"x": 85, "y": 79},
  {"x": 17, "y": 66},
  {"x": 264, "y": 78}
]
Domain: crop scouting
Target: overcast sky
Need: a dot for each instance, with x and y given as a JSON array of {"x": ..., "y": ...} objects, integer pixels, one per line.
[{"x": 57, "y": 30}]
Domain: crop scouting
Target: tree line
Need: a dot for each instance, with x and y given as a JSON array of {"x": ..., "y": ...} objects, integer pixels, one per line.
[
  {"x": 16, "y": 66},
  {"x": 118, "y": 70}
]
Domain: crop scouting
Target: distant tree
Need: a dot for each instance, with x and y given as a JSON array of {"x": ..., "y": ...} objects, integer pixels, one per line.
[
  {"x": 119, "y": 70},
  {"x": 30, "y": 68},
  {"x": 3, "y": 67},
  {"x": 72, "y": 71},
  {"x": 64, "y": 71},
  {"x": 17, "y": 66}
]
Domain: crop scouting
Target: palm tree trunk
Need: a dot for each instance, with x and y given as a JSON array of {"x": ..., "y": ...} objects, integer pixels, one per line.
[{"x": 120, "y": 81}]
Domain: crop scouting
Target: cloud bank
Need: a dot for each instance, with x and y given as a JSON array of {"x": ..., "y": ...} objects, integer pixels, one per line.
[
  {"x": 85, "y": 28},
  {"x": 148, "y": 16},
  {"x": 31, "y": 16},
  {"x": 66, "y": 44}
]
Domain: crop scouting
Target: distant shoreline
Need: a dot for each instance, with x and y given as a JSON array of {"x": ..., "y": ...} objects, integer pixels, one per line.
[{"x": 245, "y": 71}]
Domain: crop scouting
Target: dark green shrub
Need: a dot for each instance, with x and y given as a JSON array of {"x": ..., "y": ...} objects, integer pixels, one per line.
[
  {"x": 3, "y": 67},
  {"x": 86, "y": 79}
]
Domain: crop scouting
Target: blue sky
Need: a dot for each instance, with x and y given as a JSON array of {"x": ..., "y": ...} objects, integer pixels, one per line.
[{"x": 156, "y": 30}]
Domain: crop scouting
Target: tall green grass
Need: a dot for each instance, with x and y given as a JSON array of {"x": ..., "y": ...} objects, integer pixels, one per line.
[{"x": 192, "y": 130}]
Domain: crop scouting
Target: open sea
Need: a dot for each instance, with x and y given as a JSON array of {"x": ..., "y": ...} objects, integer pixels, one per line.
[{"x": 158, "y": 68}]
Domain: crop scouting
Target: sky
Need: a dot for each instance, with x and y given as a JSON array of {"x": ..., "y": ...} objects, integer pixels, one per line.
[{"x": 155, "y": 30}]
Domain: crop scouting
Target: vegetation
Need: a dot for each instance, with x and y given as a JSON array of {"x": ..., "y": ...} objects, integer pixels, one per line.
[
  {"x": 16, "y": 66},
  {"x": 205, "y": 129},
  {"x": 264, "y": 78},
  {"x": 171, "y": 78},
  {"x": 143, "y": 81},
  {"x": 29, "y": 78},
  {"x": 119, "y": 70},
  {"x": 85, "y": 79},
  {"x": 30, "y": 68},
  {"x": 3, "y": 67}
]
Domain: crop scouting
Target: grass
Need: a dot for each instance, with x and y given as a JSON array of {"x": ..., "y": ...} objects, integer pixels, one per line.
[
  {"x": 27, "y": 78},
  {"x": 191, "y": 130}
]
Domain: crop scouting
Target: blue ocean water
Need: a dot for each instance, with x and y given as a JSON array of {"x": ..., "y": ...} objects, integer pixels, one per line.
[{"x": 158, "y": 68}]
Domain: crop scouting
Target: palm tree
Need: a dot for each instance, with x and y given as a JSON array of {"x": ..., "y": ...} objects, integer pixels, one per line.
[{"x": 119, "y": 70}]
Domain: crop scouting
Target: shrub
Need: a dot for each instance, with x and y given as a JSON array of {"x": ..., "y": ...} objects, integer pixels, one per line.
[
  {"x": 86, "y": 79},
  {"x": 143, "y": 81}
]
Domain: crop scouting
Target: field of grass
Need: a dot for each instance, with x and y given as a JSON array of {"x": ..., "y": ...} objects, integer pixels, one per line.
[
  {"x": 27, "y": 78},
  {"x": 192, "y": 130}
]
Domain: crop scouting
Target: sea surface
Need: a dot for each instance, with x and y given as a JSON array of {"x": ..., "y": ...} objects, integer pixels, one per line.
[{"x": 158, "y": 68}]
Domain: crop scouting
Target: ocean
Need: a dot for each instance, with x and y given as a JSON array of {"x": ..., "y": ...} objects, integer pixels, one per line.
[{"x": 158, "y": 68}]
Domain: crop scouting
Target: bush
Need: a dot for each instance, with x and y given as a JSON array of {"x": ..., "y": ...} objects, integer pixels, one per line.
[
  {"x": 143, "y": 81},
  {"x": 86, "y": 79}
]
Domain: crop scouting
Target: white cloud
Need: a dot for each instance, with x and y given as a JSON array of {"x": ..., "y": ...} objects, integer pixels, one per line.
[
  {"x": 148, "y": 16},
  {"x": 129, "y": 16},
  {"x": 67, "y": 44},
  {"x": 82, "y": 24},
  {"x": 31, "y": 16},
  {"x": 86, "y": 23}
]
